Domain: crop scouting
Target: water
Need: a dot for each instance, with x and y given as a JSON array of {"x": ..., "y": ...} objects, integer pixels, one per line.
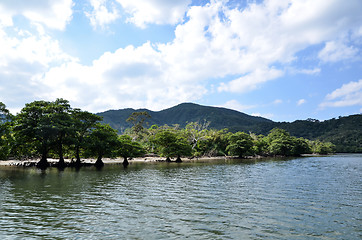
[{"x": 302, "y": 198}]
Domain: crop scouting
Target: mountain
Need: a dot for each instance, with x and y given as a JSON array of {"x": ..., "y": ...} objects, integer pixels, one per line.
[
  {"x": 344, "y": 132},
  {"x": 186, "y": 112}
]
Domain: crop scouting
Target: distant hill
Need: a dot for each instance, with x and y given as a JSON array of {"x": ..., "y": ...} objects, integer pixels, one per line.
[
  {"x": 184, "y": 113},
  {"x": 345, "y": 132}
]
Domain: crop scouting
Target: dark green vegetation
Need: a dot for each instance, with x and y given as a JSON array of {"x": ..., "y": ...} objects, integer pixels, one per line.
[
  {"x": 45, "y": 129},
  {"x": 344, "y": 132}
]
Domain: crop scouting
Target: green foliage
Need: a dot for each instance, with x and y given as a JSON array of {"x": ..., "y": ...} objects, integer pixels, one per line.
[
  {"x": 240, "y": 144},
  {"x": 196, "y": 131},
  {"x": 6, "y": 138},
  {"x": 281, "y": 143},
  {"x": 102, "y": 141},
  {"x": 138, "y": 120},
  {"x": 218, "y": 118},
  {"x": 344, "y": 132},
  {"x": 319, "y": 147},
  {"x": 45, "y": 128},
  {"x": 129, "y": 148},
  {"x": 170, "y": 144},
  {"x": 214, "y": 144},
  {"x": 34, "y": 127},
  {"x": 83, "y": 123}
]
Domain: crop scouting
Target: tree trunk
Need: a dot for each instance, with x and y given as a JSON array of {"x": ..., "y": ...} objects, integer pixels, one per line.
[
  {"x": 178, "y": 160},
  {"x": 99, "y": 163},
  {"x": 168, "y": 159},
  {"x": 125, "y": 162},
  {"x": 61, "y": 162},
  {"x": 77, "y": 156},
  {"x": 43, "y": 163}
]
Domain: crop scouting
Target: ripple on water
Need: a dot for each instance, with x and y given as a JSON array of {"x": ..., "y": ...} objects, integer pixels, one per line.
[{"x": 305, "y": 198}]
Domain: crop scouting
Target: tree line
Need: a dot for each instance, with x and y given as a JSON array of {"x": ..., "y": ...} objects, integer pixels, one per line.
[{"x": 44, "y": 129}]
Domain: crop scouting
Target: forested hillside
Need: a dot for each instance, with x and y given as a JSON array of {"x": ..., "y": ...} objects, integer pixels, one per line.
[
  {"x": 184, "y": 113},
  {"x": 344, "y": 132}
]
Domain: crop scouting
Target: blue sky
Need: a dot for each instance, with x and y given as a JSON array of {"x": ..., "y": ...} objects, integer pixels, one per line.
[{"x": 280, "y": 59}]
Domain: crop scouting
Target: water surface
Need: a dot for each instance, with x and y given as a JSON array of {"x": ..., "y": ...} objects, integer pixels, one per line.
[{"x": 302, "y": 198}]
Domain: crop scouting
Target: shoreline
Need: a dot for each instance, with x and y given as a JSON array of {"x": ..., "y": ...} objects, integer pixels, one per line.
[
  {"x": 146, "y": 159},
  {"x": 110, "y": 161}
]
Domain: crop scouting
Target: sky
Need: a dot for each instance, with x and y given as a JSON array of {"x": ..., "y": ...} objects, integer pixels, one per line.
[{"x": 280, "y": 59}]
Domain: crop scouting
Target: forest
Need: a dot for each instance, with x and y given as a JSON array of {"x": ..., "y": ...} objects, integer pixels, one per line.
[
  {"x": 344, "y": 132},
  {"x": 44, "y": 129}
]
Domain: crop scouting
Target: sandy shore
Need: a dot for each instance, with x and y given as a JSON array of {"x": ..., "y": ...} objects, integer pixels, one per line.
[{"x": 111, "y": 160}]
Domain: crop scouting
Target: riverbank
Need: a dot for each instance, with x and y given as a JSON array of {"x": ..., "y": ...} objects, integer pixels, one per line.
[
  {"x": 91, "y": 161},
  {"x": 146, "y": 159}
]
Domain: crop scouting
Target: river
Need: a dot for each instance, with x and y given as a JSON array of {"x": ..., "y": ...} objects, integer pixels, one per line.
[{"x": 300, "y": 198}]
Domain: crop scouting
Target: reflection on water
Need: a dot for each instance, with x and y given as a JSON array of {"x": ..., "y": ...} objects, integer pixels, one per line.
[{"x": 303, "y": 198}]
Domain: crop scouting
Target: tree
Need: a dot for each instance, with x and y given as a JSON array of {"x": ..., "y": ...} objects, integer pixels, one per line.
[
  {"x": 240, "y": 144},
  {"x": 171, "y": 144},
  {"x": 129, "y": 148},
  {"x": 34, "y": 127},
  {"x": 102, "y": 141},
  {"x": 196, "y": 131},
  {"x": 319, "y": 147},
  {"x": 6, "y": 139},
  {"x": 138, "y": 120},
  {"x": 280, "y": 142},
  {"x": 62, "y": 124},
  {"x": 300, "y": 146},
  {"x": 83, "y": 122},
  {"x": 260, "y": 144}
]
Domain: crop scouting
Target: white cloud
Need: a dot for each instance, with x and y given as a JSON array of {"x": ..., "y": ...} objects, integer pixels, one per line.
[
  {"x": 24, "y": 57},
  {"x": 143, "y": 12},
  {"x": 277, "y": 101},
  {"x": 313, "y": 71},
  {"x": 51, "y": 13},
  {"x": 301, "y": 102},
  {"x": 251, "y": 42},
  {"x": 266, "y": 115},
  {"x": 349, "y": 94},
  {"x": 250, "y": 46},
  {"x": 129, "y": 77},
  {"x": 234, "y": 104},
  {"x": 336, "y": 51},
  {"x": 103, "y": 13},
  {"x": 250, "y": 81}
]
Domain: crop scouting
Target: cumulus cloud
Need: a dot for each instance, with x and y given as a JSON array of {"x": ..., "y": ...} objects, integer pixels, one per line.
[
  {"x": 143, "y": 12},
  {"x": 336, "y": 51},
  {"x": 246, "y": 47},
  {"x": 128, "y": 77},
  {"x": 301, "y": 102},
  {"x": 349, "y": 94},
  {"x": 250, "y": 81},
  {"x": 234, "y": 104},
  {"x": 25, "y": 56},
  {"x": 51, "y": 13},
  {"x": 266, "y": 115},
  {"x": 103, "y": 13}
]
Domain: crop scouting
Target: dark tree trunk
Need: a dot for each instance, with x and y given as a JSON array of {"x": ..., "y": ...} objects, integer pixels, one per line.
[
  {"x": 43, "y": 163},
  {"x": 99, "y": 163},
  {"x": 178, "y": 160},
  {"x": 61, "y": 162},
  {"x": 168, "y": 159},
  {"x": 125, "y": 162},
  {"x": 77, "y": 156}
]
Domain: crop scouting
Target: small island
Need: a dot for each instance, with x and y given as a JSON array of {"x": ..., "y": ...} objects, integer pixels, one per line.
[{"x": 48, "y": 130}]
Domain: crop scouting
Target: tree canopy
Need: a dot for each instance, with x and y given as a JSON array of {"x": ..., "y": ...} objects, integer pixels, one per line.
[{"x": 54, "y": 129}]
